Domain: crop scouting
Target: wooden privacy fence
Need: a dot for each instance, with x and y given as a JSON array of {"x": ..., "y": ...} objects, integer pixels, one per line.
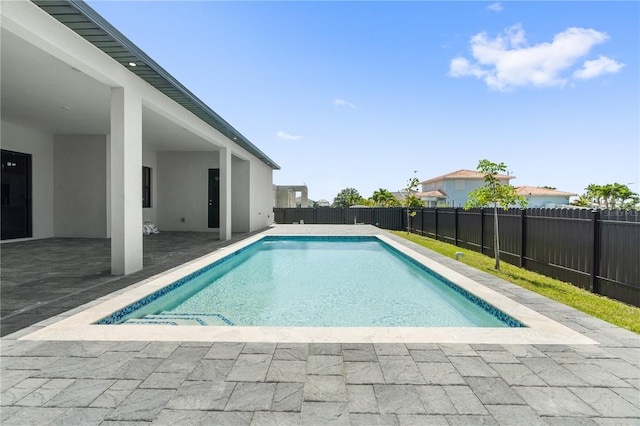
[{"x": 595, "y": 250}]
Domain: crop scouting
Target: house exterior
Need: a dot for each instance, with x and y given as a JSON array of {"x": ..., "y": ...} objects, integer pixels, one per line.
[
  {"x": 538, "y": 197},
  {"x": 434, "y": 198},
  {"x": 97, "y": 139},
  {"x": 290, "y": 196},
  {"x": 452, "y": 189}
]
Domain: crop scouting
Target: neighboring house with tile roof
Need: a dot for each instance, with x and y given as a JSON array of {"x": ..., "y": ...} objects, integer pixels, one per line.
[
  {"x": 435, "y": 198},
  {"x": 452, "y": 189},
  {"x": 539, "y": 197}
]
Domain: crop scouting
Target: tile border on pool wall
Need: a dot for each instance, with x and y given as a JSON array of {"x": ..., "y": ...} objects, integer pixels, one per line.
[
  {"x": 82, "y": 326},
  {"x": 123, "y": 313}
]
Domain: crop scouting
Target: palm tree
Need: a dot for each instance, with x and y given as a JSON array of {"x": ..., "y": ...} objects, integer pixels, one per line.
[
  {"x": 611, "y": 195},
  {"x": 384, "y": 198},
  {"x": 582, "y": 201},
  {"x": 594, "y": 193}
]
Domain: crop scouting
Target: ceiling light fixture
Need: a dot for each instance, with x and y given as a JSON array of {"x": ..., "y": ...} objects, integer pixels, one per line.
[{"x": 132, "y": 64}]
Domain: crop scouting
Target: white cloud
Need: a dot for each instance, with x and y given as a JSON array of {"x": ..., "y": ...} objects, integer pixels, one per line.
[
  {"x": 496, "y": 7},
  {"x": 597, "y": 67},
  {"x": 286, "y": 136},
  {"x": 507, "y": 61},
  {"x": 342, "y": 102}
]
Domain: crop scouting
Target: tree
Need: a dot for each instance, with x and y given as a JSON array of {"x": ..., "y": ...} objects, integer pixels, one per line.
[
  {"x": 496, "y": 194},
  {"x": 365, "y": 202},
  {"x": 347, "y": 197},
  {"x": 612, "y": 196},
  {"x": 411, "y": 200},
  {"x": 384, "y": 198},
  {"x": 581, "y": 201}
]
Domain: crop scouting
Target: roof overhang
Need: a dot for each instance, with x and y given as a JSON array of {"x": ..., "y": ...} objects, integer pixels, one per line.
[
  {"x": 87, "y": 23},
  {"x": 433, "y": 194}
]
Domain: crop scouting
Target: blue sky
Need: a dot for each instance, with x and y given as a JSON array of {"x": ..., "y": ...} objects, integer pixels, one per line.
[{"x": 361, "y": 94}]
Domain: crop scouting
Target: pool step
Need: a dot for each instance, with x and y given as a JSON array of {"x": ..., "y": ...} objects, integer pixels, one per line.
[{"x": 168, "y": 318}]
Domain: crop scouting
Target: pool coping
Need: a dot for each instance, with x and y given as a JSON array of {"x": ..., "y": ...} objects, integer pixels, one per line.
[{"x": 80, "y": 326}]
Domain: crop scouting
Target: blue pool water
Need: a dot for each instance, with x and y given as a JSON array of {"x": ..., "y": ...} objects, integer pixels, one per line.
[{"x": 315, "y": 282}]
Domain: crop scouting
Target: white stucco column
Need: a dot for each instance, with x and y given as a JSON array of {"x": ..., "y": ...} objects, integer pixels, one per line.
[
  {"x": 126, "y": 181},
  {"x": 225, "y": 194}
]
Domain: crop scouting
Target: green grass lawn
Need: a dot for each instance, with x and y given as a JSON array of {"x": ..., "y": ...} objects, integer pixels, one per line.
[{"x": 609, "y": 310}]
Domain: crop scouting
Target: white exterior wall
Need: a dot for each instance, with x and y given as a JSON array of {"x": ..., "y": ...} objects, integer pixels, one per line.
[
  {"x": 40, "y": 146},
  {"x": 80, "y": 193},
  {"x": 240, "y": 195},
  {"x": 183, "y": 190},
  {"x": 261, "y": 195},
  {"x": 182, "y": 180}
]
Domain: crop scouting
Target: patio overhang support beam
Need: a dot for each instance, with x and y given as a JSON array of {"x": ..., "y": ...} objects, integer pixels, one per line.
[
  {"x": 225, "y": 194},
  {"x": 125, "y": 179}
]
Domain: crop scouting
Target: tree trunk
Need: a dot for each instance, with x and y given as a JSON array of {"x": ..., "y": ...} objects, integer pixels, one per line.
[
  {"x": 408, "y": 220},
  {"x": 496, "y": 239}
]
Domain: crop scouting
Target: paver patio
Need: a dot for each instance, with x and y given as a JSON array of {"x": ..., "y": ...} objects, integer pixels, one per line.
[{"x": 243, "y": 383}]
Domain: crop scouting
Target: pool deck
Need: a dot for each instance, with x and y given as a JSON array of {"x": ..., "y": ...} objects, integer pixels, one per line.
[{"x": 256, "y": 383}]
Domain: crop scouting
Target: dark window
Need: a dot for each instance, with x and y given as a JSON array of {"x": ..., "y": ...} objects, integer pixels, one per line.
[
  {"x": 146, "y": 186},
  {"x": 214, "y": 198},
  {"x": 15, "y": 196}
]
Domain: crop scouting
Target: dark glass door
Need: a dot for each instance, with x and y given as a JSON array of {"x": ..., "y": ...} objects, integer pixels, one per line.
[
  {"x": 214, "y": 198},
  {"x": 16, "y": 195}
]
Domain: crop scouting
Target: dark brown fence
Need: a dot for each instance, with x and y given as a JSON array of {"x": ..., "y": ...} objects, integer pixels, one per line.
[
  {"x": 387, "y": 218},
  {"x": 595, "y": 250}
]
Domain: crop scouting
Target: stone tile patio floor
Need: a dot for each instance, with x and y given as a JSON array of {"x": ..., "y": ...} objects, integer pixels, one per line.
[{"x": 217, "y": 383}]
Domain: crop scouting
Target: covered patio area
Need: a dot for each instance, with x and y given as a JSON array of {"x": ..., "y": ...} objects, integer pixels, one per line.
[
  {"x": 98, "y": 139},
  {"x": 43, "y": 278}
]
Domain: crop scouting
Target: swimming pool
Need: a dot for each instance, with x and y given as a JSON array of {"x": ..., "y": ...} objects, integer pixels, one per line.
[
  {"x": 314, "y": 282},
  {"x": 80, "y": 324}
]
